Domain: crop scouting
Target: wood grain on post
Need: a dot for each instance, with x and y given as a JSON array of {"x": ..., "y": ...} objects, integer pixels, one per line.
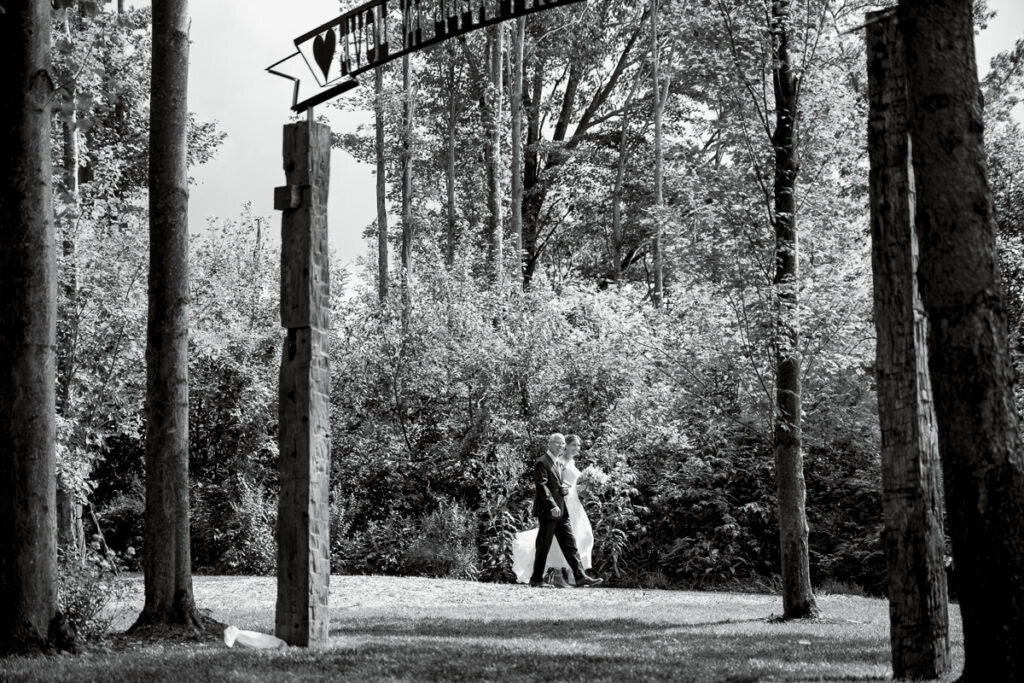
[{"x": 303, "y": 553}]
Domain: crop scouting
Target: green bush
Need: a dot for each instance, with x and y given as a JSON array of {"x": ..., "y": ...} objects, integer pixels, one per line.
[
  {"x": 444, "y": 544},
  {"x": 250, "y": 535},
  {"x": 86, "y": 589}
]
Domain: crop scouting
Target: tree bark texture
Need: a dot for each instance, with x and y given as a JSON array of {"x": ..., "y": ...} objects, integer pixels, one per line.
[
  {"x": 620, "y": 177},
  {"x": 382, "y": 211},
  {"x": 70, "y": 531},
  {"x": 658, "y": 293},
  {"x": 408, "y": 114},
  {"x": 451, "y": 236},
  {"x": 495, "y": 224},
  {"x": 968, "y": 355},
  {"x": 516, "y": 97},
  {"x": 167, "y": 562},
  {"x": 533, "y": 193},
  {"x": 797, "y": 596},
  {"x": 911, "y": 475},
  {"x": 28, "y": 292}
]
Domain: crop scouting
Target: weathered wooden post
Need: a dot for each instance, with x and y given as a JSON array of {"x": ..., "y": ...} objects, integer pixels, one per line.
[
  {"x": 913, "y": 537},
  {"x": 303, "y": 546},
  {"x": 335, "y": 52}
]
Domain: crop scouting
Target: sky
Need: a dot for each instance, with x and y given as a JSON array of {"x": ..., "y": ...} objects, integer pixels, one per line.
[{"x": 233, "y": 41}]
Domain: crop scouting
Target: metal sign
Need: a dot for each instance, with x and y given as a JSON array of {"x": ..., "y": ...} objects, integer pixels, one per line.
[{"x": 382, "y": 30}]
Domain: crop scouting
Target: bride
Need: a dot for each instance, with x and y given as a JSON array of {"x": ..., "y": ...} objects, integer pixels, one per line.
[{"x": 524, "y": 546}]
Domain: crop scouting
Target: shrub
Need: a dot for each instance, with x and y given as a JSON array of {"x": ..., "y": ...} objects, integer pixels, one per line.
[
  {"x": 444, "y": 544},
  {"x": 378, "y": 548},
  {"x": 122, "y": 522},
  {"x": 251, "y": 531},
  {"x": 495, "y": 542},
  {"x": 86, "y": 586}
]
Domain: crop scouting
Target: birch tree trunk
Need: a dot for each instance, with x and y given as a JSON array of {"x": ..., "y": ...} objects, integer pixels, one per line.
[
  {"x": 167, "y": 560},
  {"x": 28, "y": 290},
  {"x": 382, "y": 211},
  {"x": 969, "y": 361},
  {"x": 516, "y": 97},
  {"x": 797, "y": 596},
  {"x": 495, "y": 225},
  {"x": 70, "y": 531},
  {"x": 658, "y": 294}
]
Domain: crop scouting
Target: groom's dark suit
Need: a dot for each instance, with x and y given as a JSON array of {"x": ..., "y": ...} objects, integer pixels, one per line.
[{"x": 547, "y": 497}]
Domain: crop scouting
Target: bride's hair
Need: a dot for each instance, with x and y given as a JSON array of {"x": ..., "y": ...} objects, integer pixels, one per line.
[{"x": 572, "y": 438}]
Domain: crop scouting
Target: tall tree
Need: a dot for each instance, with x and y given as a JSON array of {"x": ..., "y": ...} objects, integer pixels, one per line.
[
  {"x": 617, "y": 192},
  {"x": 797, "y": 595},
  {"x": 70, "y": 532},
  {"x": 516, "y": 103},
  {"x": 382, "y": 211},
  {"x": 408, "y": 116},
  {"x": 969, "y": 358},
  {"x": 914, "y": 542},
  {"x": 451, "y": 235},
  {"x": 28, "y": 289},
  {"x": 495, "y": 225},
  {"x": 167, "y": 560},
  {"x": 588, "y": 55},
  {"x": 658, "y": 293}
]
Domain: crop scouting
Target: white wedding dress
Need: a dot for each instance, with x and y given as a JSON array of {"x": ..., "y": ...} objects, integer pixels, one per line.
[{"x": 524, "y": 547}]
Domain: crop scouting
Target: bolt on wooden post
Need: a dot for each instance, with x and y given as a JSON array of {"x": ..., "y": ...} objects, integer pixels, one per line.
[{"x": 303, "y": 546}]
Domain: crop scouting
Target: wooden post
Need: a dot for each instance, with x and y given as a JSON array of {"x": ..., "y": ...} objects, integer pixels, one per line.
[
  {"x": 911, "y": 485},
  {"x": 303, "y": 545}
]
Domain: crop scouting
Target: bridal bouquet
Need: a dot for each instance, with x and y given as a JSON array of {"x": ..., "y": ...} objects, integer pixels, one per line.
[{"x": 592, "y": 476}]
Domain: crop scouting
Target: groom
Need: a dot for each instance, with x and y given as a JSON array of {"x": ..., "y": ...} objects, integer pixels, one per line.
[{"x": 550, "y": 510}]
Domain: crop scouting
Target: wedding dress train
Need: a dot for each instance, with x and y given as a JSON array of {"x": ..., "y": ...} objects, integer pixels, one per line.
[{"x": 524, "y": 547}]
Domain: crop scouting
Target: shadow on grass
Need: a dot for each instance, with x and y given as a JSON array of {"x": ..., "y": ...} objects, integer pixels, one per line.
[{"x": 521, "y": 650}]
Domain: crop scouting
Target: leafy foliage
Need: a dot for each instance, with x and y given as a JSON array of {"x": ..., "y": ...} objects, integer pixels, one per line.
[
  {"x": 90, "y": 591},
  {"x": 438, "y": 412}
]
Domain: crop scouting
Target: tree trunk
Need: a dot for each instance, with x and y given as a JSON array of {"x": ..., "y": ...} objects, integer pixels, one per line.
[
  {"x": 28, "y": 290},
  {"x": 516, "y": 96},
  {"x": 537, "y": 181},
  {"x": 408, "y": 112},
  {"x": 382, "y": 212},
  {"x": 620, "y": 172},
  {"x": 620, "y": 176},
  {"x": 658, "y": 294},
  {"x": 167, "y": 565},
  {"x": 797, "y": 597},
  {"x": 495, "y": 225},
  {"x": 70, "y": 531},
  {"x": 533, "y": 197},
  {"x": 969, "y": 361},
  {"x": 911, "y": 476},
  {"x": 451, "y": 236}
]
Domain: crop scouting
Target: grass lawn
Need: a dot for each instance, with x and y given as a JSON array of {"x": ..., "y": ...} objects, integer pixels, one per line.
[{"x": 413, "y": 629}]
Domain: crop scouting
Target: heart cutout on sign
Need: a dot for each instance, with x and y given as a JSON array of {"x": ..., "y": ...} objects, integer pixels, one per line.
[{"x": 323, "y": 51}]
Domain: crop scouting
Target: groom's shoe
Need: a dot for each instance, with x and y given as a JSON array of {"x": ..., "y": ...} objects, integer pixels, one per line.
[
  {"x": 538, "y": 584},
  {"x": 584, "y": 581},
  {"x": 558, "y": 580}
]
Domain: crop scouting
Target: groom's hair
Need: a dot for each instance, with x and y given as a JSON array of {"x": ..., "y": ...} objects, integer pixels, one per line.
[
  {"x": 555, "y": 437},
  {"x": 572, "y": 438}
]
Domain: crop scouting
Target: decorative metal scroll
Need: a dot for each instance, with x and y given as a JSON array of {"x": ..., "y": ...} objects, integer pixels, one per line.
[{"x": 382, "y": 30}]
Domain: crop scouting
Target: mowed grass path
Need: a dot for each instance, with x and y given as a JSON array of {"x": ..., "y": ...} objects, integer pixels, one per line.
[{"x": 413, "y": 629}]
